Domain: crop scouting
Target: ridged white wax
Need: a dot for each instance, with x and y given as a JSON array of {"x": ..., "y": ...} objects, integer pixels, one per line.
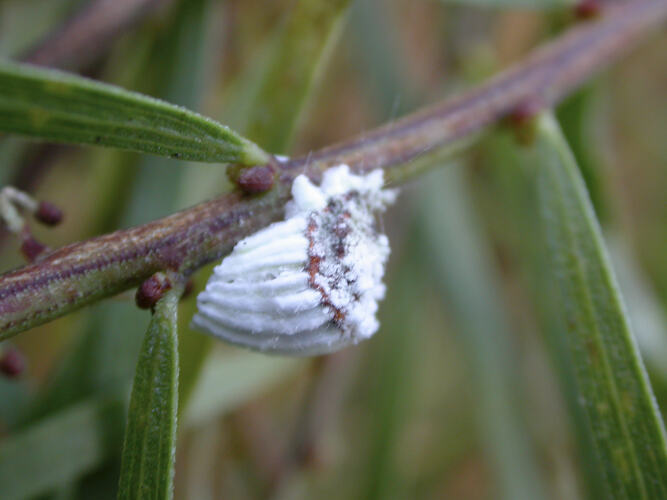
[{"x": 311, "y": 283}]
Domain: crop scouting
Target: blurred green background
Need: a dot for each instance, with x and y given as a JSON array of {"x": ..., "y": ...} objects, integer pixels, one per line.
[{"x": 458, "y": 394}]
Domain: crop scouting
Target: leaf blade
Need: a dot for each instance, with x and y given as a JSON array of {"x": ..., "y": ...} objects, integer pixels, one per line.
[
  {"x": 301, "y": 51},
  {"x": 468, "y": 286},
  {"x": 228, "y": 381},
  {"x": 623, "y": 422},
  {"x": 57, "y": 106},
  {"x": 147, "y": 465},
  {"x": 60, "y": 448}
]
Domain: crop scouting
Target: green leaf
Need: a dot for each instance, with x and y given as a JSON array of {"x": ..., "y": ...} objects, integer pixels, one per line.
[
  {"x": 394, "y": 369},
  {"x": 61, "y": 107},
  {"x": 376, "y": 40},
  {"x": 60, "y": 448},
  {"x": 311, "y": 30},
  {"x": 581, "y": 124},
  {"x": 147, "y": 466},
  {"x": 623, "y": 424},
  {"x": 470, "y": 289},
  {"x": 229, "y": 380}
]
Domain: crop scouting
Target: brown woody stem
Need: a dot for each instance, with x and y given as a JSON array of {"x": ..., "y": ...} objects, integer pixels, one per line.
[{"x": 81, "y": 273}]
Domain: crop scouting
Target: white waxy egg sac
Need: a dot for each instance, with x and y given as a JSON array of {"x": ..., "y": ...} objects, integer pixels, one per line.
[{"x": 310, "y": 284}]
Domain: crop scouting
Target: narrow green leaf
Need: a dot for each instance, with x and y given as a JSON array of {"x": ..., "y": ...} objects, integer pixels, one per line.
[
  {"x": 624, "y": 426},
  {"x": 61, "y": 107},
  {"x": 311, "y": 30},
  {"x": 147, "y": 466},
  {"x": 376, "y": 39},
  {"x": 228, "y": 380},
  {"x": 514, "y": 215},
  {"x": 393, "y": 371},
  {"x": 469, "y": 286},
  {"x": 59, "y": 449},
  {"x": 581, "y": 124}
]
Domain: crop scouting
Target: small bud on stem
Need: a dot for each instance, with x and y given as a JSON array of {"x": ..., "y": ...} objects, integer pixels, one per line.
[
  {"x": 12, "y": 203},
  {"x": 30, "y": 247},
  {"x": 522, "y": 120},
  {"x": 152, "y": 290},
  {"x": 256, "y": 180},
  {"x": 48, "y": 214}
]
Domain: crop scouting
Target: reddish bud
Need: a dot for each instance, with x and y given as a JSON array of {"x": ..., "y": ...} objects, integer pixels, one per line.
[
  {"x": 31, "y": 248},
  {"x": 12, "y": 362},
  {"x": 522, "y": 119},
  {"x": 47, "y": 213},
  {"x": 151, "y": 291},
  {"x": 525, "y": 111},
  {"x": 588, "y": 9},
  {"x": 256, "y": 179}
]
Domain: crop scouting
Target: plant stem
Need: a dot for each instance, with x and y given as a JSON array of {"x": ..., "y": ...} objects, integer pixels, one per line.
[{"x": 85, "y": 272}]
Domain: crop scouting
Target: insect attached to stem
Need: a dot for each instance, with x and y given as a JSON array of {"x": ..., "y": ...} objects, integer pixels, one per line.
[{"x": 309, "y": 284}]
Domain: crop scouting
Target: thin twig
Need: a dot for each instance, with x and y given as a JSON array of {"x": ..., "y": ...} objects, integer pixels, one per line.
[{"x": 81, "y": 273}]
